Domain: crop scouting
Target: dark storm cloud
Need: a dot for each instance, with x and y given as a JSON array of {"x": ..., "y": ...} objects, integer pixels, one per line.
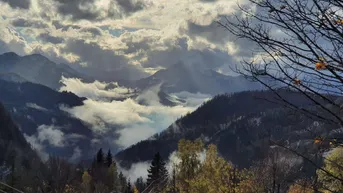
[
  {"x": 22, "y": 4},
  {"x": 216, "y": 34},
  {"x": 21, "y": 22},
  {"x": 212, "y": 32},
  {"x": 95, "y": 55},
  {"x": 95, "y": 31},
  {"x": 103, "y": 64},
  {"x": 59, "y": 25},
  {"x": 78, "y": 9},
  {"x": 129, "y": 7},
  {"x": 86, "y": 9},
  {"x": 49, "y": 38}
]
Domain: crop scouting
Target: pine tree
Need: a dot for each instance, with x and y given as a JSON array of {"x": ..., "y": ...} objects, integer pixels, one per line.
[
  {"x": 122, "y": 182},
  {"x": 140, "y": 184},
  {"x": 157, "y": 174},
  {"x": 112, "y": 180},
  {"x": 128, "y": 187},
  {"x": 109, "y": 158},
  {"x": 100, "y": 156}
]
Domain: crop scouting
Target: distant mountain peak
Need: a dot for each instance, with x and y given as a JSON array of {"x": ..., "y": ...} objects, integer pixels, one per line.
[
  {"x": 37, "y": 68},
  {"x": 10, "y": 54}
]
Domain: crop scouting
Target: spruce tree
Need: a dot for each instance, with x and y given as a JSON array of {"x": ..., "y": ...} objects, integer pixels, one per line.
[
  {"x": 109, "y": 158},
  {"x": 112, "y": 180},
  {"x": 122, "y": 181},
  {"x": 157, "y": 174},
  {"x": 129, "y": 187},
  {"x": 140, "y": 184},
  {"x": 100, "y": 156}
]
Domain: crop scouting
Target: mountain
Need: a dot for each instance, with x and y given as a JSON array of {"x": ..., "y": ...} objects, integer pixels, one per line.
[
  {"x": 181, "y": 77},
  {"x": 240, "y": 124},
  {"x": 36, "y": 109},
  {"x": 12, "y": 77},
  {"x": 37, "y": 69},
  {"x": 12, "y": 142}
]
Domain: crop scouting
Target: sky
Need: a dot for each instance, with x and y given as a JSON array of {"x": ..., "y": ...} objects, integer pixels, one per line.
[{"x": 135, "y": 36}]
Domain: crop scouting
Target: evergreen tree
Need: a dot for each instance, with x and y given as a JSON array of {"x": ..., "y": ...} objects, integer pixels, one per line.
[
  {"x": 140, "y": 184},
  {"x": 129, "y": 187},
  {"x": 109, "y": 158},
  {"x": 157, "y": 174},
  {"x": 100, "y": 156},
  {"x": 122, "y": 182},
  {"x": 112, "y": 180}
]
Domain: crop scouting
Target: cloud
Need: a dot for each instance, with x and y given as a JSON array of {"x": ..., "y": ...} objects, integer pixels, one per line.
[
  {"x": 52, "y": 136},
  {"x": 130, "y": 6},
  {"x": 94, "y": 55},
  {"x": 192, "y": 99},
  {"x": 12, "y": 41},
  {"x": 95, "y": 31},
  {"x": 76, "y": 154},
  {"x": 140, "y": 169},
  {"x": 37, "y": 107},
  {"x": 21, "y": 22},
  {"x": 97, "y": 10},
  {"x": 78, "y": 9},
  {"x": 96, "y": 91},
  {"x": 23, "y": 4},
  {"x": 126, "y": 121},
  {"x": 37, "y": 146},
  {"x": 45, "y": 135},
  {"x": 46, "y": 37},
  {"x": 136, "y": 170}
]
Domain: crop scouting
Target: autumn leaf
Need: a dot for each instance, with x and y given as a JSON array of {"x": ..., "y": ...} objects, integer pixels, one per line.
[{"x": 321, "y": 65}]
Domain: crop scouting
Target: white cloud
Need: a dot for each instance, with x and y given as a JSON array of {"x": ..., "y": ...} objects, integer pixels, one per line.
[
  {"x": 136, "y": 170},
  {"x": 53, "y": 136},
  {"x": 140, "y": 169},
  {"x": 129, "y": 120},
  {"x": 96, "y": 90},
  {"x": 37, "y": 146},
  {"x": 35, "y": 106},
  {"x": 76, "y": 154},
  {"x": 50, "y": 134}
]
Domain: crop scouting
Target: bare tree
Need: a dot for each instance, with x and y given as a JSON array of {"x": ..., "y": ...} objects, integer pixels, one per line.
[{"x": 299, "y": 46}]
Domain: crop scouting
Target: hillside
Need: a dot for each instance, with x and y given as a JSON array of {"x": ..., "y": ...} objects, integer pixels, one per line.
[
  {"x": 36, "y": 110},
  {"x": 12, "y": 142},
  {"x": 241, "y": 125}
]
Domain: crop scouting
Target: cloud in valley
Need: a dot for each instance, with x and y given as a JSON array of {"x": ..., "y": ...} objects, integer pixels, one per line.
[
  {"x": 126, "y": 120},
  {"x": 96, "y": 90},
  {"x": 52, "y": 136}
]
